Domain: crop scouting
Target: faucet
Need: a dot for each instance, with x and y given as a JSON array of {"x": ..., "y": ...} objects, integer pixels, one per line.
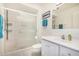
[{"x": 63, "y": 37}]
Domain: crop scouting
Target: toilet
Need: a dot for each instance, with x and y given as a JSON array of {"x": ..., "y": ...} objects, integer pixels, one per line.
[{"x": 35, "y": 50}]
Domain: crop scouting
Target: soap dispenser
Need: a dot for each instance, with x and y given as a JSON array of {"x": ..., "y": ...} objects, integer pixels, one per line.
[{"x": 69, "y": 37}]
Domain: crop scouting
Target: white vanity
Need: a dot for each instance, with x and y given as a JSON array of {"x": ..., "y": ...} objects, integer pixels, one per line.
[{"x": 55, "y": 46}]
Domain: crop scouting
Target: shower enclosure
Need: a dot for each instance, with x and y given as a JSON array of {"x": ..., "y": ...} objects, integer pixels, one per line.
[{"x": 20, "y": 30}]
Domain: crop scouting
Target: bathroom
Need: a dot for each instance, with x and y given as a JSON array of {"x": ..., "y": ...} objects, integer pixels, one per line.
[{"x": 39, "y": 29}]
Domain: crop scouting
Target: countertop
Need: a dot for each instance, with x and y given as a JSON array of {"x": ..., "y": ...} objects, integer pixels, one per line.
[{"x": 74, "y": 44}]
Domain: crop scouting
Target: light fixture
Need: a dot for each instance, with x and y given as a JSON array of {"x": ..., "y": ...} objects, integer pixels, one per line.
[{"x": 59, "y": 4}]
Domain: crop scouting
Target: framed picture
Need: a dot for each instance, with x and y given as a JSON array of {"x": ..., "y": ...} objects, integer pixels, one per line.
[{"x": 46, "y": 15}]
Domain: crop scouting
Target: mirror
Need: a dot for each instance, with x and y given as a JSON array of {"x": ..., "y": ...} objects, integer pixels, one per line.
[{"x": 66, "y": 16}]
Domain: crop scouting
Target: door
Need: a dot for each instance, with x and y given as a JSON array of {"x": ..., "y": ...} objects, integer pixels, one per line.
[
  {"x": 49, "y": 49},
  {"x": 10, "y": 33},
  {"x": 21, "y": 30},
  {"x": 26, "y": 30}
]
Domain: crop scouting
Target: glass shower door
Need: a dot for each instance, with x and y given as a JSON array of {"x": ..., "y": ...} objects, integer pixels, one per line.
[
  {"x": 21, "y": 30},
  {"x": 26, "y": 30}
]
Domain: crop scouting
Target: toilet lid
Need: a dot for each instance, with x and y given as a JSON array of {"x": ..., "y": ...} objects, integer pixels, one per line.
[{"x": 36, "y": 46}]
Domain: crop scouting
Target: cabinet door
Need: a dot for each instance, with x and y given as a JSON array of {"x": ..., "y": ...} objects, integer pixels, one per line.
[
  {"x": 68, "y": 52},
  {"x": 49, "y": 49}
]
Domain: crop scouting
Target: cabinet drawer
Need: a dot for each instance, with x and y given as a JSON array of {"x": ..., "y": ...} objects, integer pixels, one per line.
[{"x": 64, "y": 51}]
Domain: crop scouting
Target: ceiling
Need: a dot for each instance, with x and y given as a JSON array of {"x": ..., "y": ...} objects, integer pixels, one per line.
[{"x": 21, "y": 7}]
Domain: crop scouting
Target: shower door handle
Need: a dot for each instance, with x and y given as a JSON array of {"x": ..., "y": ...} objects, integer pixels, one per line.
[
  {"x": 9, "y": 31},
  {"x": 6, "y": 24},
  {"x": 9, "y": 24}
]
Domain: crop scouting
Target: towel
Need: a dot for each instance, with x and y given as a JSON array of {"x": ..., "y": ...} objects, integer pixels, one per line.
[{"x": 1, "y": 26}]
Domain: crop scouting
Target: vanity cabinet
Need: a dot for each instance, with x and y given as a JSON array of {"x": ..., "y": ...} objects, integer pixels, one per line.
[
  {"x": 49, "y": 49},
  {"x": 53, "y": 49}
]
